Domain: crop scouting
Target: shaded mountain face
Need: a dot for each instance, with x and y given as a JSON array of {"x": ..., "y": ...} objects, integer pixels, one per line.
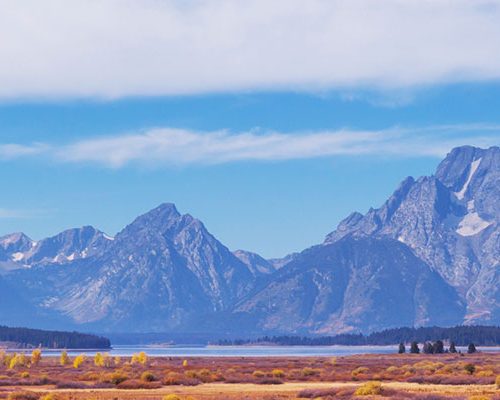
[
  {"x": 356, "y": 283},
  {"x": 429, "y": 256},
  {"x": 451, "y": 222}
]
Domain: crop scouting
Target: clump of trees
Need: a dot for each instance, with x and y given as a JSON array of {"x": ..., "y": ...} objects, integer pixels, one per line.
[
  {"x": 140, "y": 358},
  {"x": 435, "y": 348}
]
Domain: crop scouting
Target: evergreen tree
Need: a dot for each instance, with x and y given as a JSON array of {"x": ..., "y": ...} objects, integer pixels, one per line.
[
  {"x": 453, "y": 349},
  {"x": 427, "y": 349},
  {"x": 414, "y": 348},
  {"x": 438, "y": 347},
  {"x": 402, "y": 348},
  {"x": 471, "y": 349}
]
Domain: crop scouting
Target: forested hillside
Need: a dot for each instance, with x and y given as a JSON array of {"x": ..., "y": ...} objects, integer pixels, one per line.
[{"x": 24, "y": 337}]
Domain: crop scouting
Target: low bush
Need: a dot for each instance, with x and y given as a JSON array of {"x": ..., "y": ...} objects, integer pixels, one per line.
[
  {"x": 117, "y": 377},
  {"x": 470, "y": 368},
  {"x": 22, "y": 396},
  {"x": 310, "y": 371},
  {"x": 171, "y": 397},
  {"x": 359, "y": 371},
  {"x": 49, "y": 396},
  {"x": 369, "y": 389},
  {"x": 138, "y": 384},
  {"x": 486, "y": 372},
  {"x": 148, "y": 376},
  {"x": 278, "y": 373},
  {"x": 71, "y": 385}
]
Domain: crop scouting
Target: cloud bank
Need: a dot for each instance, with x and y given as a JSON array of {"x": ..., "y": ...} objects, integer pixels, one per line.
[
  {"x": 179, "y": 147},
  {"x": 116, "y": 48}
]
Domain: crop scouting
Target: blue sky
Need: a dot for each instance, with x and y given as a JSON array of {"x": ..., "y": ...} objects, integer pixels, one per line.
[{"x": 271, "y": 153}]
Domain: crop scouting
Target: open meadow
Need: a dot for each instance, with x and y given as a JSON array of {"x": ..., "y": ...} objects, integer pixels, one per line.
[{"x": 402, "y": 376}]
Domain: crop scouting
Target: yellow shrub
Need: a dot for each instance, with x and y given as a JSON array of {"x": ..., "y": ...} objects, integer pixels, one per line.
[
  {"x": 480, "y": 397},
  {"x": 369, "y": 388},
  {"x": 310, "y": 371},
  {"x": 278, "y": 373},
  {"x": 117, "y": 360},
  {"x": 139, "y": 358},
  {"x": 18, "y": 360},
  {"x": 392, "y": 369},
  {"x": 79, "y": 360},
  {"x": 148, "y": 376},
  {"x": 99, "y": 360},
  {"x": 258, "y": 374},
  {"x": 64, "y": 359},
  {"x": 497, "y": 381},
  {"x": 117, "y": 377},
  {"x": 171, "y": 397},
  {"x": 185, "y": 363},
  {"x": 486, "y": 372},
  {"x": 48, "y": 396},
  {"x": 36, "y": 356},
  {"x": 25, "y": 375},
  {"x": 359, "y": 370},
  {"x": 6, "y": 359}
]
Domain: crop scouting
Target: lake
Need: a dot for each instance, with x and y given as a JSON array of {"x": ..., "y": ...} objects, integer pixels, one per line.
[{"x": 248, "y": 351}]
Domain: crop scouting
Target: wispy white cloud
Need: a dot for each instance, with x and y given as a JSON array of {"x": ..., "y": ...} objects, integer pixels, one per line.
[
  {"x": 10, "y": 151},
  {"x": 115, "y": 48},
  {"x": 172, "y": 147},
  {"x": 183, "y": 147},
  {"x": 8, "y": 213}
]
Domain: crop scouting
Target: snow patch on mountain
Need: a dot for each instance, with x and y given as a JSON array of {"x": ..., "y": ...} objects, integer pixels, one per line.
[
  {"x": 472, "y": 224},
  {"x": 472, "y": 170},
  {"x": 17, "y": 256}
]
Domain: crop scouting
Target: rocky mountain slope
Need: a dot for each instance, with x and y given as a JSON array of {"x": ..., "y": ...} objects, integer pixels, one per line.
[
  {"x": 451, "y": 222},
  {"x": 429, "y": 256},
  {"x": 161, "y": 272},
  {"x": 360, "y": 283}
]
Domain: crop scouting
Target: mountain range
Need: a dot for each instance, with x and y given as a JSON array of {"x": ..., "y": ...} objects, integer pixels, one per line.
[{"x": 429, "y": 255}]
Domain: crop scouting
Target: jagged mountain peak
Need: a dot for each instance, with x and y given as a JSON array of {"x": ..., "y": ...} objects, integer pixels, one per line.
[
  {"x": 255, "y": 263},
  {"x": 161, "y": 219},
  {"x": 428, "y": 255},
  {"x": 450, "y": 220},
  {"x": 462, "y": 163},
  {"x": 16, "y": 241}
]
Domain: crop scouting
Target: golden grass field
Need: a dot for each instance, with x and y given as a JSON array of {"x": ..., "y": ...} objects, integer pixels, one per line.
[{"x": 419, "y": 377}]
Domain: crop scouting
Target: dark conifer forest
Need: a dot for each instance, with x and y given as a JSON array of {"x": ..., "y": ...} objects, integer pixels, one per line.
[
  {"x": 24, "y": 337},
  {"x": 459, "y": 335}
]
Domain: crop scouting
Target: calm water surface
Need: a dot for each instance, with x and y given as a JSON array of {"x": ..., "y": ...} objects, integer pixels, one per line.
[{"x": 248, "y": 351}]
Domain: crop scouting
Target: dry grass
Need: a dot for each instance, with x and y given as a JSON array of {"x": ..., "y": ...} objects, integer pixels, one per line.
[{"x": 400, "y": 376}]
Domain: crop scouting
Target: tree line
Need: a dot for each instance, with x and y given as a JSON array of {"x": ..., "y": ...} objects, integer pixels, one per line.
[
  {"x": 25, "y": 338},
  {"x": 459, "y": 335},
  {"x": 435, "y": 348}
]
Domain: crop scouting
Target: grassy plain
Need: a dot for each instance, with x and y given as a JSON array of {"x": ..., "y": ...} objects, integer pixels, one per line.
[{"x": 419, "y": 377}]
